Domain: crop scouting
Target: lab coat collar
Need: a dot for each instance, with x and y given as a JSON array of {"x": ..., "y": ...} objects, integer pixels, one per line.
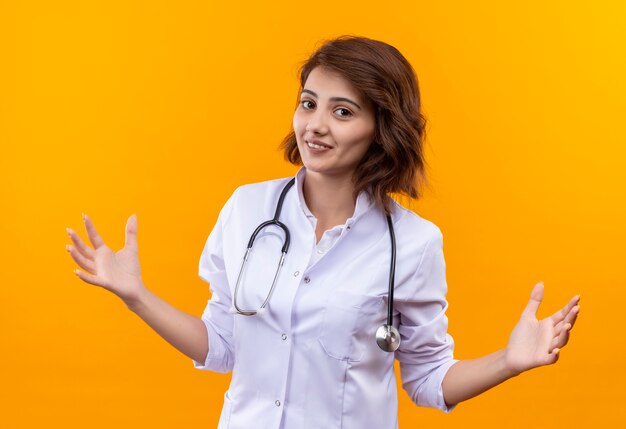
[{"x": 363, "y": 202}]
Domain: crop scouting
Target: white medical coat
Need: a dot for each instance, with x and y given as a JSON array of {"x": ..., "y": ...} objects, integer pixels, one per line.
[{"x": 311, "y": 360}]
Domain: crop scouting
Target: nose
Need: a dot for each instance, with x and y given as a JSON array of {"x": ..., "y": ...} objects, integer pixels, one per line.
[{"x": 316, "y": 123}]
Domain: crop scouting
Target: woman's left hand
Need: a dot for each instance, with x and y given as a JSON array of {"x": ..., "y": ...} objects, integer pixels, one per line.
[{"x": 535, "y": 342}]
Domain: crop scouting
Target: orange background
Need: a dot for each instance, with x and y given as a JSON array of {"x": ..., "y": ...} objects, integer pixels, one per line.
[{"x": 162, "y": 108}]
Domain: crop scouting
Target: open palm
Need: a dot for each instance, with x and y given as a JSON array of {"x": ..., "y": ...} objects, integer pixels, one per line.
[
  {"x": 118, "y": 272},
  {"x": 534, "y": 342}
]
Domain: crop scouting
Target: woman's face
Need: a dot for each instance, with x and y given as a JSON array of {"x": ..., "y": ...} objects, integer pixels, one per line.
[{"x": 334, "y": 124}]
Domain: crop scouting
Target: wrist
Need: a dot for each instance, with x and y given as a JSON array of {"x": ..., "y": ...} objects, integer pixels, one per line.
[
  {"x": 507, "y": 366},
  {"x": 138, "y": 300}
]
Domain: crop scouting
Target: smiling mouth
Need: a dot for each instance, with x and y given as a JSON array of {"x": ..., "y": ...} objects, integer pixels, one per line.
[{"x": 317, "y": 146}]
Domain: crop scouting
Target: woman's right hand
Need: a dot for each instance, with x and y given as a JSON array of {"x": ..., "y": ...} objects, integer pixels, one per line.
[{"x": 117, "y": 272}]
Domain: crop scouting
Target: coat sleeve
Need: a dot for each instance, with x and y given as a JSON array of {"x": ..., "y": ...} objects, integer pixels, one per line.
[
  {"x": 217, "y": 316},
  {"x": 426, "y": 349}
]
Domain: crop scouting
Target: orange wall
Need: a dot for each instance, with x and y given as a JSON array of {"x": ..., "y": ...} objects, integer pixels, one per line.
[{"x": 162, "y": 108}]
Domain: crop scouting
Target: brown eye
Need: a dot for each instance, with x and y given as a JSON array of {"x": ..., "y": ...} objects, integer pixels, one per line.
[
  {"x": 343, "y": 112},
  {"x": 307, "y": 104}
]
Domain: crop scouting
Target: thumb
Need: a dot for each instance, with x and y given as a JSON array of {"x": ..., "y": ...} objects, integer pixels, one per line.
[
  {"x": 131, "y": 233},
  {"x": 536, "y": 296}
]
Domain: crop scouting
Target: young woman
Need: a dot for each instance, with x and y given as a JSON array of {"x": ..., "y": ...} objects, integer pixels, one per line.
[{"x": 310, "y": 309}]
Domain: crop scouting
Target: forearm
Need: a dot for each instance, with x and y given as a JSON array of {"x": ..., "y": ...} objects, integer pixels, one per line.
[
  {"x": 468, "y": 378},
  {"x": 185, "y": 332}
]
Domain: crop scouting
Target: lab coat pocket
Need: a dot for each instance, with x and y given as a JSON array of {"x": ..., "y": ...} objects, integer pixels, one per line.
[{"x": 346, "y": 324}]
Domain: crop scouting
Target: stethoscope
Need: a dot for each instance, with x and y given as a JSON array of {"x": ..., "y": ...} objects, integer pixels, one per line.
[{"x": 387, "y": 336}]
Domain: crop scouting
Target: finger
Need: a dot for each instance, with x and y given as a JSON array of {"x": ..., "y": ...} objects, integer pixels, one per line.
[
  {"x": 568, "y": 322},
  {"x": 88, "y": 278},
  {"x": 93, "y": 235},
  {"x": 84, "y": 263},
  {"x": 560, "y": 314},
  {"x": 85, "y": 250},
  {"x": 564, "y": 325},
  {"x": 131, "y": 233},
  {"x": 536, "y": 296},
  {"x": 562, "y": 338},
  {"x": 572, "y": 315},
  {"x": 553, "y": 356}
]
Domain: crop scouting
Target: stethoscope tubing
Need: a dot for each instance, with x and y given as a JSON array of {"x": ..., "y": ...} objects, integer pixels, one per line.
[
  {"x": 392, "y": 272},
  {"x": 284, "y": 250},
  {"x": 387, "y": 336}
]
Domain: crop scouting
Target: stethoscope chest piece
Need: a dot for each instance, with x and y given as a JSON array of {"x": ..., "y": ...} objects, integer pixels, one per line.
[{"x": 388, "y": 338}]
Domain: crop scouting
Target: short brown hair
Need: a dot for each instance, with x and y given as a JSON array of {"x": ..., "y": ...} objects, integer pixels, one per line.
[{"x": 394, "y": 162}]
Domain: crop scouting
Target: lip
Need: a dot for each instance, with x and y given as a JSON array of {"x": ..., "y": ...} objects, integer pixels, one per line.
[{"x": 319, "y": 143}]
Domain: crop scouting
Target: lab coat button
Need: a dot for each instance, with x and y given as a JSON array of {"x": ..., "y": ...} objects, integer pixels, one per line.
[
  {"x": 307, "y": 279},
  {"x": 284, "y": 337},
  {"x": 296, "y": 274},
  {"x": 277, "y": 403}
]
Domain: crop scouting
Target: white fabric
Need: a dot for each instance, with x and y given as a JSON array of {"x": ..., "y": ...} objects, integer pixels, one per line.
[{"x": 311, "y": 360}]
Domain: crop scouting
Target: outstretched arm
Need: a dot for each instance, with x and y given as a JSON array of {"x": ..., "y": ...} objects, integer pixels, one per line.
[
  {"x": 532, "y": 343},
  {"x": 119, "y": 273}
]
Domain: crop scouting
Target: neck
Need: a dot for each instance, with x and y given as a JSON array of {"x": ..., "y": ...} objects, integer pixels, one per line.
[{"x": 330, "y": 199}]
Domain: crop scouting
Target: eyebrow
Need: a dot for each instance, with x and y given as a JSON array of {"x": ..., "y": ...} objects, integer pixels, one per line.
[{"x": 347, "y": 100}]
